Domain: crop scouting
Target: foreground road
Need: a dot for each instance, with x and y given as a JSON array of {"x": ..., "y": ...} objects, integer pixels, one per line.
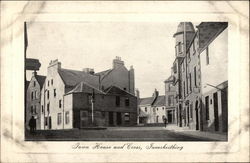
[{"x": 114, "y": 134}]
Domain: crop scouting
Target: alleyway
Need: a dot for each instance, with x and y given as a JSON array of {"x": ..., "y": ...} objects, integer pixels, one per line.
[{"x": 121, "y": 134}]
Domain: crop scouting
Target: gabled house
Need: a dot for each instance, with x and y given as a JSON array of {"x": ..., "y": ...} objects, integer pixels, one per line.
[
  {"x": 62, "y": 82},
  {"x": 152, "y": 110},
  {"x": 33, "y": 99}
]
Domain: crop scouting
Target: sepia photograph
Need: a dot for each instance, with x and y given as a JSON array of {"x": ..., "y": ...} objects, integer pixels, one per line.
[{"x": 126, "y": 81}]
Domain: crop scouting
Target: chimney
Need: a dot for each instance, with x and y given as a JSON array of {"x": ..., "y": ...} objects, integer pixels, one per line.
[
  {"x": 137, "y": 93},
  {"x": 117, "y": 62},
  {"x": 89, "y": 71},
  {"x": 55, "y": 63}
]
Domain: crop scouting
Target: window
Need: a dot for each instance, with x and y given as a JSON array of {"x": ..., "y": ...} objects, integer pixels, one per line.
[
  {"x": 146, "y": 109},
  {"x": 59, "y": 118},
  {"x": 184, "y": 93},
  {"x": 117, "y": 101},
  {"x": 207, "y": 107},
  {"x": 60, "y": 103},
  {"x": 190, "y": 82},
  {"x": 187, "y": 85},
  {"x": 47, "y": 94},
  {"x": 195, "y": 82},
  {"x": 32, "y": 95},
  {"x": 157, "y": 109},
  {"x": 48, "y": 107},
  {"x": 207, "y": 56},
  {"x": 191, "y": 110},
  {"x": 126, "y": 117},
  {"x": 46, "y": 121},
  {"x": 170, "y": 100},
  {"x": 34, "y": 109},
  {"x": 179, "y": 47},
  {"x": 67, "y": 117},
  {"x": 89, "y": 99},
  {"x": 127, "y": 102},
  {"x": 162, "y": 108},
  {"x": 31, "y": 109},
  {"x": 48, "y": 83},
  {"x": 54, "y": 92},
  {"x": 42, "y": 108},
  {"x": 34, "y": 83},
  {"x": 169, "y": 87},
  {"x": 51, "y": 81},
  {"x": 35, "y": 95}
]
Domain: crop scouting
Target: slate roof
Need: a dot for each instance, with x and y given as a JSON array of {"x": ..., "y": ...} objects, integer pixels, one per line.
[
  {"x": 160, "y": 101},
  {"x": 189, "y": 28},
  {"x": 209, "y": 31},
  {"x": 146, "y": 101},
  {"x": 74, "y": 77},
  {"x": 40, "y": 79},
  {"x": 86, "y": 88},
  {"x": 103, "y": 74},
  {"x": 114, "y": 90}
]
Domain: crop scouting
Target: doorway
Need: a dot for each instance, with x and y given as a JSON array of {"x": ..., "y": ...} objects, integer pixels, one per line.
[
  {"x": 119, "y": 118},
  {"x": 170, "y": 116},
  {"x": 111, "y": 118},
  {"x": 197, "y": 115},
  {"x": 216, "y": 117},
  {"x": 50, "y": 123}
]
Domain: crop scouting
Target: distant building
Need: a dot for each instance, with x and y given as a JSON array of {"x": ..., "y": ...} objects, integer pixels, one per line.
[
  {"x": 170, "y": 100},
  {"x": 33, "y": 99},
  {"x": 60, "y": 84},
  {"x": 152, "y": 110},
  {"x": 214, "y": 75}
]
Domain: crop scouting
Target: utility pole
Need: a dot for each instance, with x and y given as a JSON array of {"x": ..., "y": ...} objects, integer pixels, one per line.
[{"x": 92, "y": 106}]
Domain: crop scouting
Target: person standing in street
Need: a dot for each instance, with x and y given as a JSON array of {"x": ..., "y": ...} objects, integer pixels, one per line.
[
  {"x": 32, "y": 124},
  {"x": 165, "y": 122}
]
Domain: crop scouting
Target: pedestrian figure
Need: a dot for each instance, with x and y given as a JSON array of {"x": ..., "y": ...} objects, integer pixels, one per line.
[
  {"x": 165, "y": 122},
  {"x": 32, "y": 124}
]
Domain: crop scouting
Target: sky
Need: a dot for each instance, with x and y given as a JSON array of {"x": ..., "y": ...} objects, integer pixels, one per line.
[{"x": 147, "y": 46}]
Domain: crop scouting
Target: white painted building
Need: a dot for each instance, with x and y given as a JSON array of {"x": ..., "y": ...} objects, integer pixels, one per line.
[{"x": 214, "y": 75}]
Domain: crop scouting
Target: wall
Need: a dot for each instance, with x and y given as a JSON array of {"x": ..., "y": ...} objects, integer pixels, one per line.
[
  {"x": 120, "y": 77},
  {"x": 215, "y": 74},
  {"x": 52, "y": 74},
  {"x": 102, "y": 106}
]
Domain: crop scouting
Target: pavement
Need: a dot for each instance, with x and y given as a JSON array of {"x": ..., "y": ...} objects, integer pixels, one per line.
[
  {"x": 170, "y": 133},
  {"x": 216, "y": 136}
]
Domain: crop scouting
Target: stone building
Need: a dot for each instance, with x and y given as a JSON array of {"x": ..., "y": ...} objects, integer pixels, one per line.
[
  {"x": 214, "y": 63},
  {"x": 152, "y": 110},
  {"x": 60, "y": 82},
  {"x": 170, "y": 100},
  {"x": 199, "y": 80},
  {"x": 33, "y": 99},
  {"x": 112, "y": 107},
  {"x": 183, "y": 37}
]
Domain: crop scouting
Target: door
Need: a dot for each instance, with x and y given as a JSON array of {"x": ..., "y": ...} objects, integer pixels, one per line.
[
  {"x": 216, "y": 116},
  {"x": 119, "y": 118},
  {"x": 83, "y": 118},
  {"x": 111, "y": 118},
  {"x": 197, "y": 115},
  {"x": 50, "y": 123},
  {"x": 169, "y": 116}
]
